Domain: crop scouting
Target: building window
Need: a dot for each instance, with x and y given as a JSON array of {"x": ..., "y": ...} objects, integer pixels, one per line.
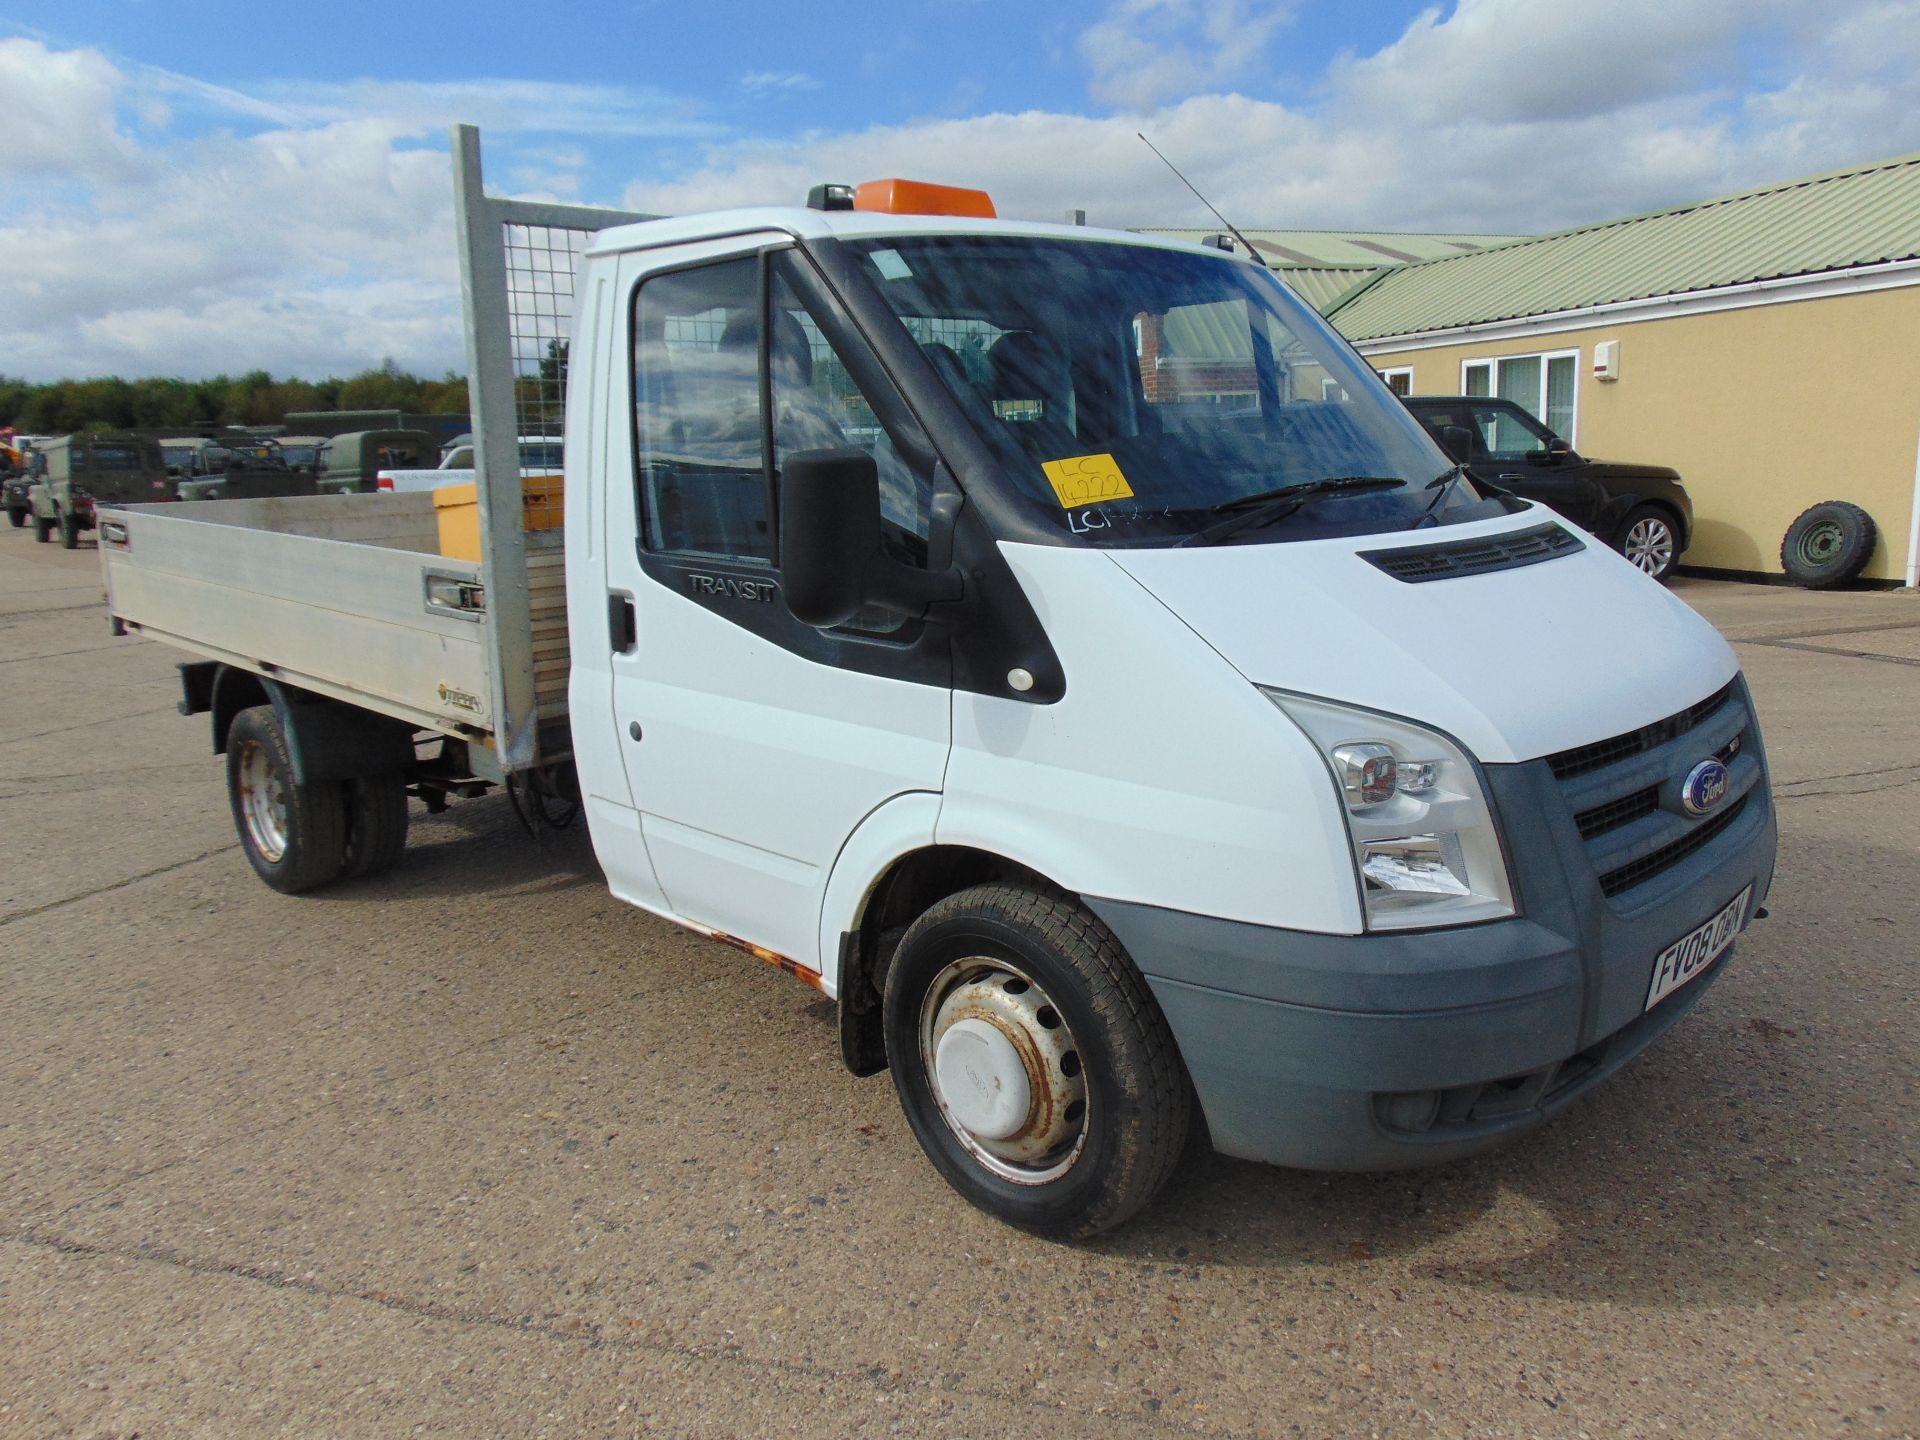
[
  {"x": 1543, "y": 385},
  {"x": 1399, "y": 380}
]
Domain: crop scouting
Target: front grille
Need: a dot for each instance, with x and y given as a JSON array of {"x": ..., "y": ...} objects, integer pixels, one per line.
[
  {"x": 1455, "y": 558},
  {"x": 1622, "y": 793},
  {"x": 1602, "y": 753},
  {"x": 1635, "y": 872},
  {"x": 1615, "y": 813}
]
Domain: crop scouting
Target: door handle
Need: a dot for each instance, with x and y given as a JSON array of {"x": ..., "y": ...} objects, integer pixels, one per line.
[{"x": 623, "y": 629}]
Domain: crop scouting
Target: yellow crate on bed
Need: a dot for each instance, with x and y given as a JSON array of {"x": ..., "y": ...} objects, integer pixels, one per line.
[{"x": 457, "y": 507}]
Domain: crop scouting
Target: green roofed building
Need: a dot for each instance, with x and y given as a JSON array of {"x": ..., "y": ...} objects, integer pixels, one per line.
[
  {"x": 1323, "y": 265},
  {"x": 1766, "y": 343}
]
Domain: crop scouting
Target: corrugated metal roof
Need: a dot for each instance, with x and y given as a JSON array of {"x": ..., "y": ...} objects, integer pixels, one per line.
[
  {"x": 1345, "y": 249},
  {"x": 1860, "y": 216},
  {"x": 1320, "y": 288}
]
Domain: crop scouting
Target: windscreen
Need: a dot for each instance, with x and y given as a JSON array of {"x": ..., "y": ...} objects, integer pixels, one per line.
[
  {"x": 107, "y": 455},
  {"x": 1137, "y": 394}
]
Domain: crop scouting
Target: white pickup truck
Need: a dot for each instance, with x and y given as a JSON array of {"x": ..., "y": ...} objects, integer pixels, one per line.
[
  {"x": 539, "y": 455},
  {"x": 999, "y": 627}
]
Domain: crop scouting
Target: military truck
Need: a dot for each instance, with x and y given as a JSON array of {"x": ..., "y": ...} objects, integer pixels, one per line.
[
  {"x": 349, "y": 464},
  {"x": 245, "y": 469},
  {"x": 18, "y": 469},
  {"x": 80, "y": 471}
]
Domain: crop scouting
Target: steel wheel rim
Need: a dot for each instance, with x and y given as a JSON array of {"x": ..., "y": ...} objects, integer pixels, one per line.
[
  {"x": 982, "y": 995},
  {"x": 1820, "y": 542},
  {"x": 1650, "y": 545},
  {"x": 263, "y": 802}
]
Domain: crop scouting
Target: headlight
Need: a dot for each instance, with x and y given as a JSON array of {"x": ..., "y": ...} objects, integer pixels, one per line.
[{"x": 1424, "y": 844}]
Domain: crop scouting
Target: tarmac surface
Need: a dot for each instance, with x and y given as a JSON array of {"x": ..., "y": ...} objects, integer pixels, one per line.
[{"x": 475, "y": 1149}]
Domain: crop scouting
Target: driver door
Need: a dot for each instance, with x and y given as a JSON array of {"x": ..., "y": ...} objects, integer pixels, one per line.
[{"x": 754, "y": 745}]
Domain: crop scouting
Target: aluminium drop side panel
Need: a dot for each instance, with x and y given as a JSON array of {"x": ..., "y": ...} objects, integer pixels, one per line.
[
  {"x": 522, "y": 626},
  {"x": 341, "y": 617}
]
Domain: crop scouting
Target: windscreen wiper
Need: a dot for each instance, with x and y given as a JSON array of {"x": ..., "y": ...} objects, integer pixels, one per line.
[
  {"x": 1266, "y": 507},
  {"x": 1441, "y": 484}
]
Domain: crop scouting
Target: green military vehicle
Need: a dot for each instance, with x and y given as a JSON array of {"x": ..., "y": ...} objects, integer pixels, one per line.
[
  {"x": 83, "y": 471},
  {"x": 16, "y": 478},
  {"x": 348, "y": 464},
  {"x": 239, "y": 468},
  {"x": 301, "y": 452}
]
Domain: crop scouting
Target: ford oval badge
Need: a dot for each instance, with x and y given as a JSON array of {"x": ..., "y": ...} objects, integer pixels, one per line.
[{"x": 1704, "y": 787}]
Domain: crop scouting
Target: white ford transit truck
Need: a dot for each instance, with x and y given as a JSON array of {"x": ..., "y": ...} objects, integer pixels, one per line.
[{"x": 1055, "y": 645}]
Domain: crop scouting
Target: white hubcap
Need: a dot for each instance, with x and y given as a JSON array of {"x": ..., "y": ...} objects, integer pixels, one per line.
[{"x": 982, "y": 1080}]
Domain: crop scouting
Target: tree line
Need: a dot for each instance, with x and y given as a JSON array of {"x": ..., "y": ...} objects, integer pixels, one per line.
[{"x": 63, "y": 407}]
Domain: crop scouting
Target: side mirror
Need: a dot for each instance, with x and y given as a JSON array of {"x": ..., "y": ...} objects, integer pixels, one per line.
[
  {"x": 1457, "y": 441},
  {"x": 831, "y": 563},
  {"x": 1556, "y": 451},
  {"x": 829, "y": 533}
]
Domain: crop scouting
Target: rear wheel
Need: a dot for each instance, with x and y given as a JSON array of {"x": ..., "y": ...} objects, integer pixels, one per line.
[
  {"x": 16, "y": 518},
  {"x": 1647, "y": 537},
  {"x": 376, "y": 825},
  {"x": 42, "y": 529},
  {"x": 1035, "y": 1068},
  {"x": 294, "y": 835},
  {"x": 69, "y": 532}
]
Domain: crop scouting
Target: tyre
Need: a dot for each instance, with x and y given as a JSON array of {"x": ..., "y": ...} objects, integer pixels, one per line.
[
  {"x": 1828, "y": 545},
  {"x": 42, "y": 529},
  {"x": 69, "y": 532},
  {"x": 16, "y": 518},
  {"x": 294, "y": 835},
  {"x": 376, "y": 825},
  {"x": 1035, "y": 1068},
  {"x": 1649, "y": 538}
]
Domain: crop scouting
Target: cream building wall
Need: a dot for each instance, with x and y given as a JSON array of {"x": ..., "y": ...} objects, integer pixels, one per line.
[{"x": 1764, "y": 410}]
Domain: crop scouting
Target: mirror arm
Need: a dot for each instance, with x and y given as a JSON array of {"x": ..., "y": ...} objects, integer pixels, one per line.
[{"x": 909, "y": 591}]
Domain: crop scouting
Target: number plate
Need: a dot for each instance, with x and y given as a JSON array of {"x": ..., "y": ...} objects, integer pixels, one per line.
[{"x": 1686, "y": 957}]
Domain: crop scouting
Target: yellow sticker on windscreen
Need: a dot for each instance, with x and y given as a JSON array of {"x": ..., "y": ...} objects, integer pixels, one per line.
[{"x": 1087, "y": 480}]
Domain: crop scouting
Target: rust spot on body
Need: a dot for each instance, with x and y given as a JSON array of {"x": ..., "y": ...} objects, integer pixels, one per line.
[{"x": 772, "y": 957}]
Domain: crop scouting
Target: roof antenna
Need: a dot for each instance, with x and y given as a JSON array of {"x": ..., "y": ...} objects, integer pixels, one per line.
[{"x": 1206, "y": 202}]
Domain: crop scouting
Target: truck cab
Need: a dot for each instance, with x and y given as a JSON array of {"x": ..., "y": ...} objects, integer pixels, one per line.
[{"x": 1010, "y": 628}]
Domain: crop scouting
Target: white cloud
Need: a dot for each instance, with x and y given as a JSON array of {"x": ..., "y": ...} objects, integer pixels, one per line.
[
  {"x": 1502, "y": 116},
  {"x": 1146, "y": 52},
  {"x": 762, "y": 83},
  {"x": 57, "y": 115},
  {"x": 310, "y": 231},
  {"x": 1516, "y": 61}
]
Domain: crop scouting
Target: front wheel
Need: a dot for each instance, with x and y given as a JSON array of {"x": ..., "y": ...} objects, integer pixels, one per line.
[
  {"x": 69, "y": 532},
  {"x": 42, "y": 530},
  {"x": 294, "y": 835},
  {"x": 1035, "y": 1068},
  {"x": 1646, "y": 537}
]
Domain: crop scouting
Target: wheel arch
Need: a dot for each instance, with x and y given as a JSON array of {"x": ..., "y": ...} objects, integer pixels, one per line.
[
  {"x": 1668, "y": 510},
  {"x": 910, "y": 882},
  {"x": 326, "y": 739}
]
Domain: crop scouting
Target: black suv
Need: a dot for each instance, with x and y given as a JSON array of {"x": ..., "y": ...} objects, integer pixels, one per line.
[{"x": 1643, "y": 511}]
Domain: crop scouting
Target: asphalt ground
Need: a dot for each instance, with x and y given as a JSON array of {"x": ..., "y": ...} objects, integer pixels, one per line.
[{"x": 474, "y": 1149}]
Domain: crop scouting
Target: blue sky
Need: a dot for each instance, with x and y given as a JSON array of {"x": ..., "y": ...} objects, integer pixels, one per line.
[
  {"x": 674, "y": 77},
  {"x": 208, "y": 186}
]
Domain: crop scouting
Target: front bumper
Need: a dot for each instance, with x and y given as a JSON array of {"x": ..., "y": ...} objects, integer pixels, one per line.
[{"x": 1395, "y": 1049}]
